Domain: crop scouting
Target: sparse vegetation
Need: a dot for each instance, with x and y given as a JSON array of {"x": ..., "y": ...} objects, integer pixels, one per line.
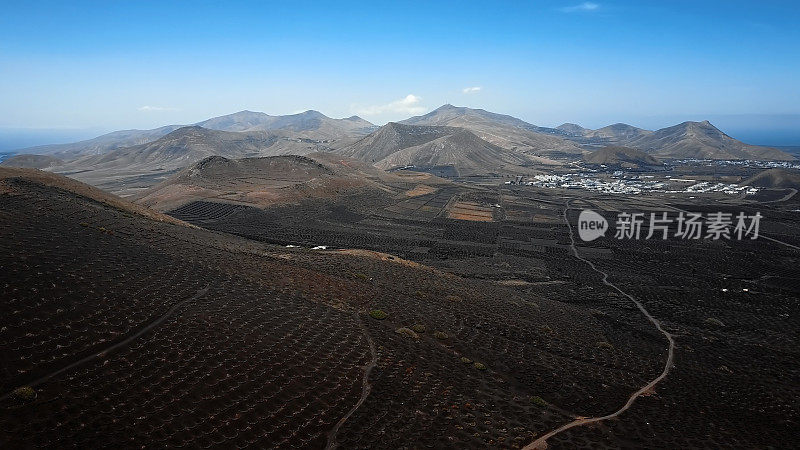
[
  {"x": 24, "y": 393},
  {"x": 378, "y": 314},
  {"x": 603, "y": 345},
  {"x": 419, "y": 328},
  {"x": 360, "y": 276},
  {"x": 715, "y": 322},
  {"x": 466, "y": 360},
  {"x": 480, "y": 366},
  {"x": 453, "y": 298},
  {"x": 538, "y": 401},
  {"x": 441, "y": 335},
  {"x": 546, "y": 329},
  {"x": 407, "y": 332}
]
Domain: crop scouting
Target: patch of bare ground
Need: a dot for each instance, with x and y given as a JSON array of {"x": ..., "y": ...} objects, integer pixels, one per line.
[
  {"x": 382, "y": 257},
  {"x": 420, "y": 190},
  {"x": 465, "y": 210}
]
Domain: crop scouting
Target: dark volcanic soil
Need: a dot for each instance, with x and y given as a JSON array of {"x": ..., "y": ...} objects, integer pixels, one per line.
[
  {"x": 137, "y": 332},
  {"x": 194, "y": 338},
  {"x": 731, "y": 305}
]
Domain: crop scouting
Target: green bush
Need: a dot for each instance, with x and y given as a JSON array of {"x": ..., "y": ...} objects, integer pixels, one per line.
[
  {"x": 466, "y": 360},
  {"x": 480, "y": 366},
  {"x": 440, "y": 335},
  {"x": 714, "y": 322},
  {"x": 538, "y": 401},
  {"x": 407, "y": 332},
  {"x": 419, "y": 328},
  {"x": 378, "y": 314}
]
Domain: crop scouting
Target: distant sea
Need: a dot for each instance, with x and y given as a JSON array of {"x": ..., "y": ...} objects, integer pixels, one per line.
[{"x": 6, "y": 155}]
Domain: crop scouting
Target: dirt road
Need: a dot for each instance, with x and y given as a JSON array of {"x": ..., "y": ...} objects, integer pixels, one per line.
[{"x": 541, "y": 442}]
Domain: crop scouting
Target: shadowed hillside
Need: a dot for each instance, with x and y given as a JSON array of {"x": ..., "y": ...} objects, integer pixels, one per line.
[
  {"x": 499, "y": 129},
  {"x": 393, "y": 137},
  {"x": 702, "y": 140},
  {"x": 622, "y": 156},
  {"x": 31, "y": 161},
  {"x": 465, "y": 153},
  {"x": 696, "y": 140},
  {"x": 425, "y": 147},
  {"x": 775, "y": 178},
  {"x": 264, "y": 181}
]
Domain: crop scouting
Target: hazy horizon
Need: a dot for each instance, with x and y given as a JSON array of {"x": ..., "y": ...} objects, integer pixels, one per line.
[
  {"x": 771, "y": 130},
  {"x": 71, "y": 68}
]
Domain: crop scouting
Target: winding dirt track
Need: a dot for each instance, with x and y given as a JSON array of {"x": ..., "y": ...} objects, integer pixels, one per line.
[
  {"x": 158, "y": 321},
  {"x": 365, "y": 390},
  {"x": 541, "y": 442}
]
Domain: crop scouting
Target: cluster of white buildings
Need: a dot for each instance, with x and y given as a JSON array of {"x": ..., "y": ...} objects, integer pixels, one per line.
[
  {"x": 576, "y": 181},
  {"x": 633, "y": 184},
  {"x": 732, "y": 189},
  {"x": 740, "y": 162}
]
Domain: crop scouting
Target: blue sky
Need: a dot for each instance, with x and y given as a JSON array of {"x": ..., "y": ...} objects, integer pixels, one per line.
[{"x": 89, "y": 67}]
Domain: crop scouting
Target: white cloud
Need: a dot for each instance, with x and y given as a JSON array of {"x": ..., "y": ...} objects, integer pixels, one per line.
[
  {"x": 156, "y": 108},
  {"x": 471, "y": 90},
  {"x": 408, "y": 105},
  {"x": 583, "y": 7}
]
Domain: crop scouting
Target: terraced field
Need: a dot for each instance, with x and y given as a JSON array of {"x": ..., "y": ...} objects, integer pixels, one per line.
[
  {"x": 731, "y": 306},
  {"x": 230, "y": 360},
  {"x": 125, "y": 331},
  {"x": 422, "y": 207},
  {"x": 122, "y": 330}
]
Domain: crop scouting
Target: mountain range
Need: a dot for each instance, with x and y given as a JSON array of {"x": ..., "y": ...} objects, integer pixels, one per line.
[
  {"x": 455, "y": 141},
  {"x": 687, "y": 140},
  {"x": 112, "y": 162},
  {"x": 424, "y": 147},
  {"x": 499, "y": 129},
  {"x": 306, "y": 125}
]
